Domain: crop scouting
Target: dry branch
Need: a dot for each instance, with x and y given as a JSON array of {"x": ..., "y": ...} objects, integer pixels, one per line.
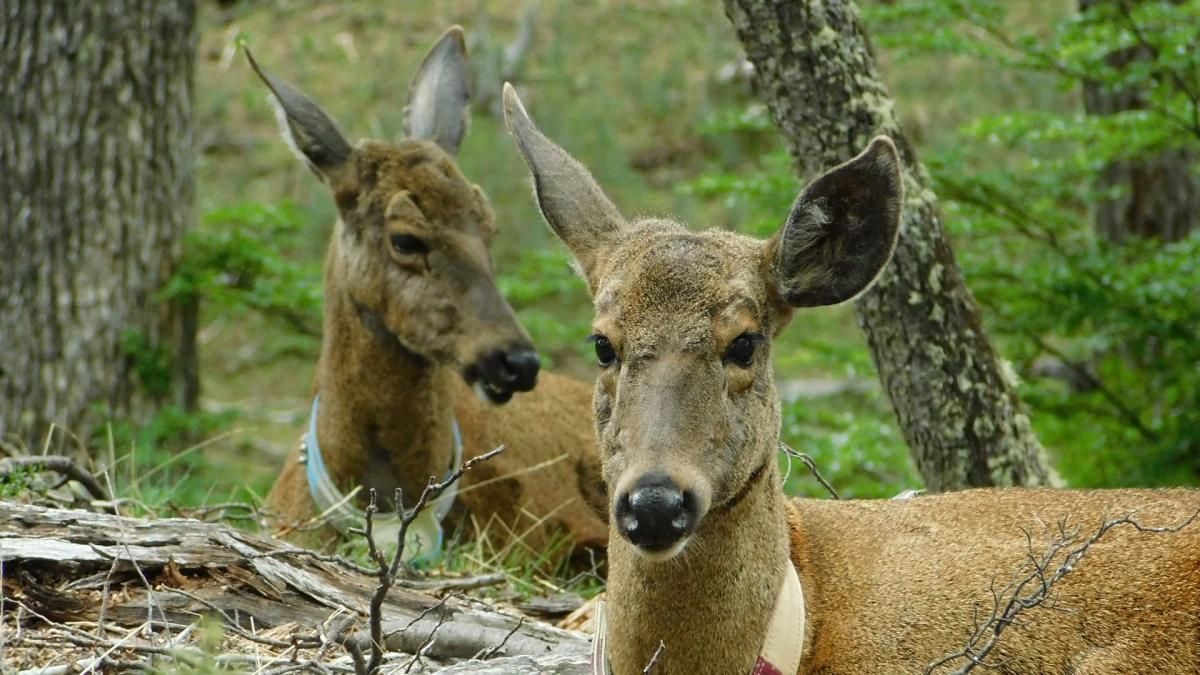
[
  {"x": 1033, "y": 585},
  {"x": 387, "y": 571}
]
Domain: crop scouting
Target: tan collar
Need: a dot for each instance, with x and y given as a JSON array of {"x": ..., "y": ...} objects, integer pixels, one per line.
[
  {"x": 782, "y": 647},
  {"x": 781, "y": 651}
]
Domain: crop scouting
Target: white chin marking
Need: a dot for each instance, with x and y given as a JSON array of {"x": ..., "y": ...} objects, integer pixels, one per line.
[
  {"x": 480, "y": 392},
  {"x": 663, "y": 556}
]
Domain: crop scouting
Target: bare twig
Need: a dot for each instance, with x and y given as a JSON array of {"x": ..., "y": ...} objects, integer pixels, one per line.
[
  {"x": 1132, "y": 417},
  {"x": 812, "y": 467},
  {"x": 225, "y": 511},
  {"x": 313, "y": 555},
  {"x": 151, "y": 605},
  {"x": 496, "y": 650},
  {"x": 232, "y": 625},
  {"x": 387, "y": 571},
  {"x": 423, "y": 650},
  {"x": 1033, "y": 586},
  {"x": 452, "y": 583},
  {"x": 423, "y": 613},
  {"x": 653, "y": 662}
]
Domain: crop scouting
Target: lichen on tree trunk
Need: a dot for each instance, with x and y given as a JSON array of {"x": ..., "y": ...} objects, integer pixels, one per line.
[
  {"x": 96, "y": 191},
  {"x": 954, "y": 398}
]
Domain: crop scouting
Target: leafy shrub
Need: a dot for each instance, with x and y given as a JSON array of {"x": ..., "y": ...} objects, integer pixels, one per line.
[{"x": 237, "y": 260}]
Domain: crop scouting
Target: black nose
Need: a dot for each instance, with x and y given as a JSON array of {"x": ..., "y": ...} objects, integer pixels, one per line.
[
  {"x": 521, "y": 368},
  {"x": 504, "y": 371},
  {"x": 656, "y": 513}
]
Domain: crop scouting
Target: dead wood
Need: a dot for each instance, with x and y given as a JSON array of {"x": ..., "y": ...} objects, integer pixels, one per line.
[
  {"x": 547, "y": 664},
  {"x": 60, "y": 566}
]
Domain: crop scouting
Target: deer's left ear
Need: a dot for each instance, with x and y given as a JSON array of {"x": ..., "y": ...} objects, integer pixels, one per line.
[
  {"x": 309, "y": 131},
  {"x": 841, "y": 231},
  {"x": 437, "y": 102}
]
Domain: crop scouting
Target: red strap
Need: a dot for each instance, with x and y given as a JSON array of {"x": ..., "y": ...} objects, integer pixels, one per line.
[{"x": 764, "y": 667}]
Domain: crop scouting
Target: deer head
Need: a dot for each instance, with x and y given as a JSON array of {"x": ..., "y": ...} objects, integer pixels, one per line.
[
  {"x": 687, "y": 415},
  {"x": 410, "y": 255}
]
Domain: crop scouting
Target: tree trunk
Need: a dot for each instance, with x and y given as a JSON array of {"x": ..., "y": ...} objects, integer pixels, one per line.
[
  {"x": 96, "y": 191},
  {"x": 955, "y": 399},
  {"x": 1160, "y": 196}
]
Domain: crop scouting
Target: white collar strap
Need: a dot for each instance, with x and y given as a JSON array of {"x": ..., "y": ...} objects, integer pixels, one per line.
[
  {"x": 781, "y": 650},
  {"x": 784, "y": 645},
  {"x": 422, "y": 542}
]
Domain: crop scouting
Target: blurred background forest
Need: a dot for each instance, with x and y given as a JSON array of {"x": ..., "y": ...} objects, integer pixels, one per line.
[{"x": 1098, "y": 322}]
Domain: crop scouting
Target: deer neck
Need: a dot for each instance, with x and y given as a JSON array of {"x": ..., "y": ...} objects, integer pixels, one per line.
[
  {"x": 710, "y": 605},
  {"x": 385, "y": 419}
]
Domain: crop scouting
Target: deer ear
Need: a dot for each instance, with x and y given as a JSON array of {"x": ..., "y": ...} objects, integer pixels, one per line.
[
  {"x": 310, "y": 132},
  {"x": 437, "y": 102},
  {"x": 841, "y": 230},
  {"x": 570, "y": 200}
]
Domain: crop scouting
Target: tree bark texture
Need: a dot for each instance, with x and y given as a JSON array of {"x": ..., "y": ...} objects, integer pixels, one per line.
[
  {"x": 66, "y": 565},
  {"x": 954, "y": 398},
  {"x": 96, "y": 191},
  {"x": 1159, "y": 195}
]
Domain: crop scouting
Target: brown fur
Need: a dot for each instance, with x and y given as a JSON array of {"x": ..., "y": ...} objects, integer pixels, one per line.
[
  {"x": 403, "y": 330},
  {"x": 891, "y": 585}
]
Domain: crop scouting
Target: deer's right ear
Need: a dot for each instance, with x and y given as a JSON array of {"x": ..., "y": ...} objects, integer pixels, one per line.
[
  {"x": 308, "y": 130},
  {"x": 841, "y": 231},
  {"x": 571, "y": 201}
]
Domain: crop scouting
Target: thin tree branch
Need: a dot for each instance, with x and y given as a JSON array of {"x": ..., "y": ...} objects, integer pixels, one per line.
[
  {"x": 812, "y": 467},
  {"x": 1035, "y": 588}
]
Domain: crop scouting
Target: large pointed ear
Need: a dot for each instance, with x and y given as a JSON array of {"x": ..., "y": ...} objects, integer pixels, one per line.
[
  {"x": 305, "y": 126},
  {"x": 568, "y": 196},
  {"x": 841, "y": 230},
  {"x": 437, "y": 102}
]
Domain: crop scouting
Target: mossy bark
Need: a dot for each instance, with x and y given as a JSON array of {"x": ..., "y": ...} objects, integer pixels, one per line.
[
  {"x": 96, "y": 191},
  {"x": 954, "y": 398}
]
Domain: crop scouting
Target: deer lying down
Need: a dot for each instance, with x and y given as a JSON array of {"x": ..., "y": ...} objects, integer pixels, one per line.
[
  {"x": 708, "y": 555},
  {"x": 414, "y": 322}
]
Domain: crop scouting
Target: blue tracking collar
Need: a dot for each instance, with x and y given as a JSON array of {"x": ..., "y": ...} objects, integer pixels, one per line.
[{"x": 424, "y": 538}]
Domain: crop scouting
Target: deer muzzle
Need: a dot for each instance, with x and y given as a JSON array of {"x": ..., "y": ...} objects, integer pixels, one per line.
[
  {"x": 656, "y": 515},
  {"x": 500, "y": 372}
]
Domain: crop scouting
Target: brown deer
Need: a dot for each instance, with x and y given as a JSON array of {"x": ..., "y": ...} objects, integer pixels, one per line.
[
  {"x": 706, "y": 553},
  {"x": 413, "y": 322}
]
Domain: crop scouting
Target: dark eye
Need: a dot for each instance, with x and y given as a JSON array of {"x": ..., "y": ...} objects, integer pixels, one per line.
[
  {"x": 741, "y": 350},
  {"x": 408, "y": 244},
  {"x": 605, "y": 353}
]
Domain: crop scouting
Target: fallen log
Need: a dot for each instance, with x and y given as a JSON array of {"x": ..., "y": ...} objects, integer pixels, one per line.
[{"x": 69, "y": 566}]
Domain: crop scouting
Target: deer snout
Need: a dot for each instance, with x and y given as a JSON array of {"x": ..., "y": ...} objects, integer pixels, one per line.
[
  {"x": 656, "y": 514},
  {"x": 521, "y": 368},
  {"x": 500, "y": 372}
]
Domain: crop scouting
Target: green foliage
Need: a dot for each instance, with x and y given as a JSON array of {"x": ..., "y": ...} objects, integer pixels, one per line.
[
  {"x": 551, "y": 301},
  {"x": 150, "y": 362},
  {"x": 853, "y": 442},
  {"x": 21, "y": 483},
  {"x": 160, "y": 460},
  {"x": 1018, "y": 187},
  {"x": 238, "y": 260},
  {"x": 211, "y": 635}
]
